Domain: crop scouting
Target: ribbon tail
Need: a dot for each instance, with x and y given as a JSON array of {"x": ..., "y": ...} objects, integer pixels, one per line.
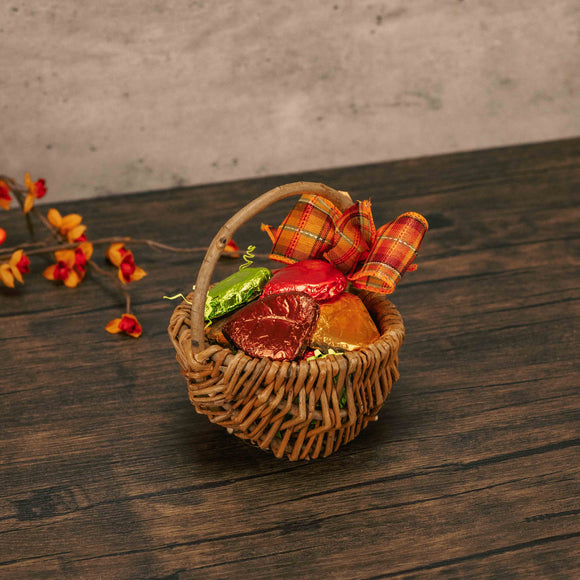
[
  {"x": 392, "y": 254},
  {"x": 268, "y": 229}
]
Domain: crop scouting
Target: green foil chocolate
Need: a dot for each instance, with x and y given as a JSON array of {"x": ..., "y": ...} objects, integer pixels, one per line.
[{"x": 235, "y": 291}]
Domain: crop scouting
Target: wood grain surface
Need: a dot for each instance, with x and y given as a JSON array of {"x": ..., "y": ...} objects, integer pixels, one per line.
[{"x": 471, "y": 471}]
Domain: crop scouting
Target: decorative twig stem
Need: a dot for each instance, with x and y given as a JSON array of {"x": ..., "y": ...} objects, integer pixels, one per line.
[
  {"x": 115, "y": 239},
  {"x": 100, "y": 270}
]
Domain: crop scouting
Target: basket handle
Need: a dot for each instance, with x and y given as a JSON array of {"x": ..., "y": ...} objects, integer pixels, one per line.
[{"x": 339, "y": 198}]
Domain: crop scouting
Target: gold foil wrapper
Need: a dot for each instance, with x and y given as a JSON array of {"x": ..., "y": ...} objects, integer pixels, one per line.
[{"x": 344, "y": 324}]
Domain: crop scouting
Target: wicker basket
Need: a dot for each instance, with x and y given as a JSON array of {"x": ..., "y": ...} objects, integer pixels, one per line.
[{"x": 290, "y": 408}]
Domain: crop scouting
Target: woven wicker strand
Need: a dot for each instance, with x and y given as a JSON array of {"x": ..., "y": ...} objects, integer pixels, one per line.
[{"x": 290, "y": 408}]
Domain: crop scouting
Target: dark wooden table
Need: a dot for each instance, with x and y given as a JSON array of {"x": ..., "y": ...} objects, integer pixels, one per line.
[{"x": 471, "y": 471}]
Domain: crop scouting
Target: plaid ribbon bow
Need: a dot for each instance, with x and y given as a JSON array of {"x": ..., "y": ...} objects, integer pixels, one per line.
[{"x": 371, "y": 259}]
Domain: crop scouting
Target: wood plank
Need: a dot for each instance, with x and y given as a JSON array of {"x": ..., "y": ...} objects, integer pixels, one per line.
[{"x": 471, "y": 471}]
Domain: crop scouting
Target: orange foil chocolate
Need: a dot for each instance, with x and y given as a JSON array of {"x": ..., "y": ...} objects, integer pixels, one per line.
[{"x": 344, "y": 323}]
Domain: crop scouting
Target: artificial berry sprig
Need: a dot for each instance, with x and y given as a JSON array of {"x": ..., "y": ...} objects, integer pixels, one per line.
[{"x": 73, "y": 251}]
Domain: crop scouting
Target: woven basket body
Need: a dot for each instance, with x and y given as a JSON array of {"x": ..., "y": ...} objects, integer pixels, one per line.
[{"x": 298, "y": 409}]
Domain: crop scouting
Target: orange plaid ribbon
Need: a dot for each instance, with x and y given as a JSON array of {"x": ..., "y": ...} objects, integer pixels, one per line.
[{"x": 371, "y": 259}]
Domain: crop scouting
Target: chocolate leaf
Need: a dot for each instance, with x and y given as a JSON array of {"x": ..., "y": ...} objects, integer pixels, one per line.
[{"x": 278, "y": 326}]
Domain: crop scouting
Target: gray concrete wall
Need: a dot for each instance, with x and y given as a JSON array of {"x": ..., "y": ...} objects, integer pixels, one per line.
[{"x": 118, "y": 96}]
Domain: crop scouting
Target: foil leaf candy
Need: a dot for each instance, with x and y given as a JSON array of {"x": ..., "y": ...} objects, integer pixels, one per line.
[
  {"x": 318, "y": 278},
  {"x": 235, "y": 291},
  {"x": 278, "y": 326},
  {"x": 344, "y": 324}
]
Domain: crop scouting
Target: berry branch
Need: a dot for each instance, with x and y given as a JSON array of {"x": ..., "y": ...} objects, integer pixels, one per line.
[{"x": 73, "y": 251}]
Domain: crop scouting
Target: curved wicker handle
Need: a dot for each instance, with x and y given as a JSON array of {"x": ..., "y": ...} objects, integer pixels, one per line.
[{"x": 339, "y": 198}]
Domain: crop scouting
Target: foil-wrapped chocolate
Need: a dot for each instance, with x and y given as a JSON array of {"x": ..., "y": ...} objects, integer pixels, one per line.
[
  {"x": 344, "y": 324},
  {"x": 318, "y": 278},
  {"x": 278, "y": 326},
  {"x": 234, "y": 291},
  {"x": 214, "y": 332}
]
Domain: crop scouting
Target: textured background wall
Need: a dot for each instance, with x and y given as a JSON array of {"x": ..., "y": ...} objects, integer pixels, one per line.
[{"x": 111, "y": 97}]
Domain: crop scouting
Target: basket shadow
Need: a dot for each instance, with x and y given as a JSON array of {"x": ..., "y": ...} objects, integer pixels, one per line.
[{"x": 210, "y": 446}]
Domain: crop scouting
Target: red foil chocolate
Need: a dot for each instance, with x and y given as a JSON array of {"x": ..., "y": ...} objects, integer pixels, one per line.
[
  {"x": 278, "y": 326},
  {"x": 318, "y": 278}
]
